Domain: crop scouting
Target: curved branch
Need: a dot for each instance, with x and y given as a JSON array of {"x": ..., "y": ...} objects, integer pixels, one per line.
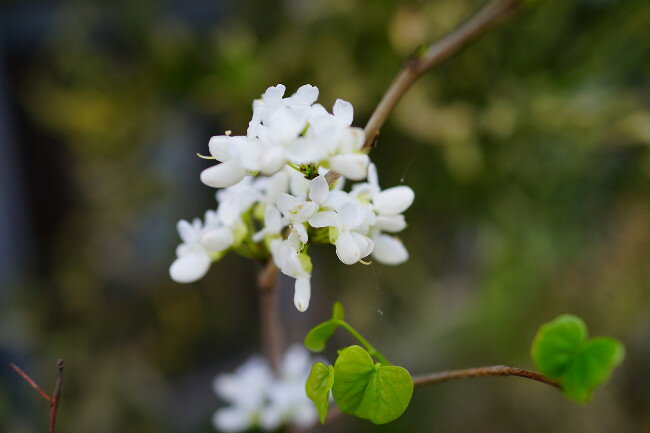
[
  {"x": 437, "y": 52},
  {"x": 494, "y": 12},
  {"x": 495, "y": 370}
]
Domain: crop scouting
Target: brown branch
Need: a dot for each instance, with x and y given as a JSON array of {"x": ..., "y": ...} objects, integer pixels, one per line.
[
  {"x": 53, "y": 401},
  {"x": 271, "y": 328},
  {"x": 437, "y": 52},
  {"x": 494, "y": 12},
  {"x": 54, "y": 404},
  {"x": 496, "y": 370}
]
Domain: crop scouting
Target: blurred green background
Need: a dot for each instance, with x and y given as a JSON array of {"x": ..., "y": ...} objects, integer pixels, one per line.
[{"x": 528, "y": 152}]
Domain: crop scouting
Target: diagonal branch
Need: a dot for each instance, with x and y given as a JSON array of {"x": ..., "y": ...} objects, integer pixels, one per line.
[
  {"x": 31, "y": 382},
  {"x": 495, "y": 370},
  {"x": 494, "y": 12}
]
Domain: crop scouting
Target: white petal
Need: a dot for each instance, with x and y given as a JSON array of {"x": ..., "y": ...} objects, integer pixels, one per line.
[
  {"x": 304, "y": 150},
  {"x": 218, "y": 240},
  {"x": 319, "y": 190},
  {"x": 393, "y": 201},
  {"x": 325, "y": 219},
  {"x": 373, "y": 179},
  {"x": 232, "y": 419},
  {"x": 190, "y": 267},
  {"x": 300, "y": 231},
  {"x": 353, "y": 166},
  {"x": 351, "y": 140},
  {"x": 343, "y": 111},
  {"x": 271, "y": 160},
  {"x": 348, "y": 214},
  {"x": 273, "y": 219},
  {"x": 296, "y": 360},
  {"x": 186, "y": 232},
  {"x": 286, "y": 125},
  {"x": 274, "y": 93},
  {"x": 291, "y": 265},
  {"x": 390, "y": 223},
  {"x": 286, "y": 202},
  {"x": 225, "y": 174},
  {"x": 278, "y": 183},
  {"x": 336, "y": 198},
  {"x": 219, "y": 147},
  {"x": 305, "y": 415},
  {"x": 389, "y": 250},
  {"x": 364, "y": 243},
  {"x": 347, "y": 249},
  {"x": 306, "y": 94},
  {"x": 302, "y": 294},
  {"x": 271, "y": 418},
  {"x": 304, "y": 211}
]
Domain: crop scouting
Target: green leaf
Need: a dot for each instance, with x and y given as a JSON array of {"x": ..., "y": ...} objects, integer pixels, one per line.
[
  {"x": 318, "y": 385},
  {"x": 318, "y": 336},
  {"x": 371, "y": 391},
  {"x": 557, "y": 343},
  {"x": 338, "y": 312},
  {"x": 562, "y": 351},
  {"x": 592, "y": 367}
]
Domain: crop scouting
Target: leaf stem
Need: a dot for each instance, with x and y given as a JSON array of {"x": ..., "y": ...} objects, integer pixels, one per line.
[
  {"x": 495, "y": 370},
  {"x": 369, "y": 347}
]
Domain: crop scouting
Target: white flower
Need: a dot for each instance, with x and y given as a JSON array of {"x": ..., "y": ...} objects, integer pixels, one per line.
[
  {"x": 296, "y": 265},
  {"x": 389, "y": 250},
  {"x": 193, "y": 260},
  {"x": 215, "y": 235},
  {"x": 297, "y": 212},
  {"x": 258, "y": 399},
  {"x": 287, "y": 399},
  {"x": 246, "y": 391},
  {"x": 265, "y": 190},
  {"x": 351, "y": 246},
  {"x": 272, "y": 224},
  {"x": 237, "y": 155}
]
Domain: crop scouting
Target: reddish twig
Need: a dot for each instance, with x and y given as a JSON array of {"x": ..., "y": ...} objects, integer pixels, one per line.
[
  {"x": 52, "y": 401},
  {"x": 495, "y": 370}
]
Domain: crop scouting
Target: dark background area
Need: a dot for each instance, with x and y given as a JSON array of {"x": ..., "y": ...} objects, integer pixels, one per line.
[{"x": 528, "y": 152}]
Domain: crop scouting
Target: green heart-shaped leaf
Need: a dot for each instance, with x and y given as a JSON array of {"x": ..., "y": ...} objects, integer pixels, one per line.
[
  {"x": 562, "y": 351},
  {"x": 318, "y": 336},
  {"x": 557, "y": 343},
  {"x": 592, "y": 367},
  {"x": 318, "y": 385},
  {"x": 372, "y": 391}
]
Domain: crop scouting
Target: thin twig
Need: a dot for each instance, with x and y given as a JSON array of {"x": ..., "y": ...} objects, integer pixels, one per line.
[
  {"x": 437, "y": 52},
  {"x": 31, "y": 382},
  {"x": 52, "y": 401},
  {"x": 271, "y": 328},
  {"x": 495, "y": 370}
]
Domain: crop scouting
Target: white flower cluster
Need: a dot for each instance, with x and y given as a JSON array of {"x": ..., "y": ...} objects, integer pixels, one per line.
[
  {"x": 259, "y": 399},
  {"x": 276, "y": 200}
]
